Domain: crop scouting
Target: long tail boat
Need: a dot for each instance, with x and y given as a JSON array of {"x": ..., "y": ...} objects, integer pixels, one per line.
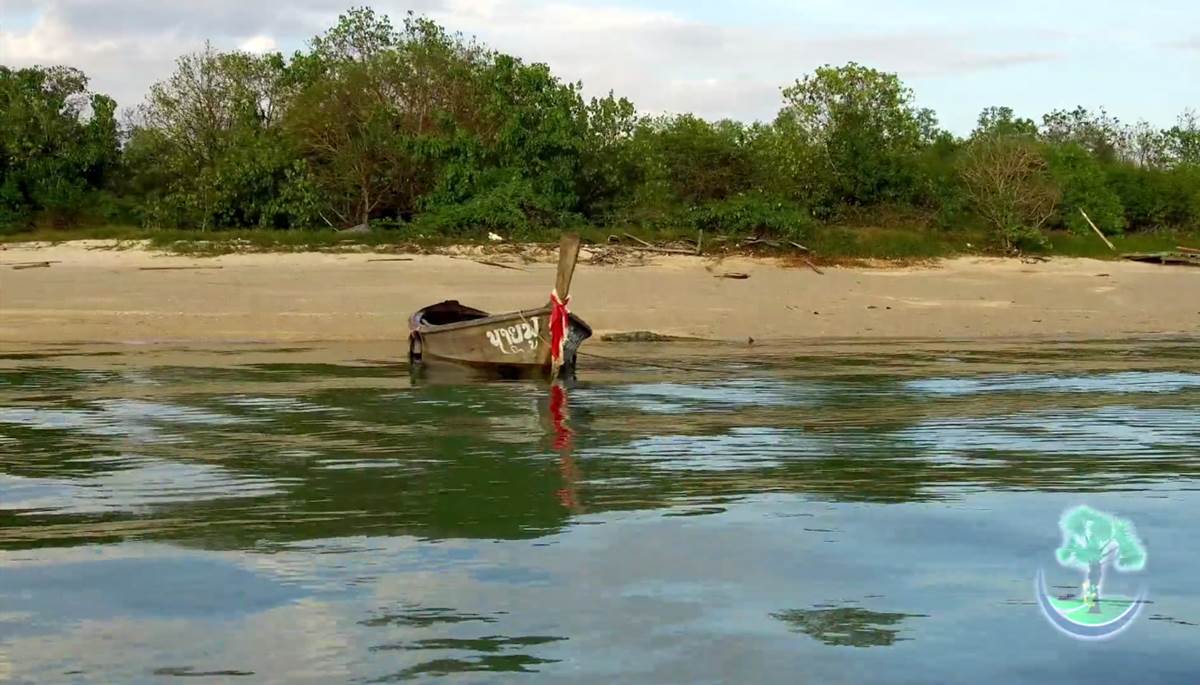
[{"x": 527, "y": 342}]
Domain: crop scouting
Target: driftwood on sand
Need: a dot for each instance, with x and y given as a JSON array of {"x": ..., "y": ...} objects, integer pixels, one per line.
[
  {"x": 177, "y": 268},
  {"x": 1183, "y": 258}
]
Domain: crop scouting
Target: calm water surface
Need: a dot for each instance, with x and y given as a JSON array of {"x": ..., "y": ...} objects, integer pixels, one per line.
[{"x": 871, "y": 516}]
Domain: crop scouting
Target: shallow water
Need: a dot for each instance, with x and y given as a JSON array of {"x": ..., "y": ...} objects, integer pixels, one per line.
[{"x": 782, "y": 514}]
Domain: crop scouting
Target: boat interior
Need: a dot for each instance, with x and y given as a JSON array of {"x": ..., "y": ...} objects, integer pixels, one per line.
[{"x": 448, "y": 312}]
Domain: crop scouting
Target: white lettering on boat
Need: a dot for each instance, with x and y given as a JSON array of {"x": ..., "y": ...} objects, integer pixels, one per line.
[{"x": 516, "y": 339}]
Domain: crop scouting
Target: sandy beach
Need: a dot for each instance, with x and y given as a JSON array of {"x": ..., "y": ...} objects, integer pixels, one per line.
[{"x": 92, "y": 293}]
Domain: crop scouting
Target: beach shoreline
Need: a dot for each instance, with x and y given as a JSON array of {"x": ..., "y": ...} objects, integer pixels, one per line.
[{"x": 92, "y": 293}]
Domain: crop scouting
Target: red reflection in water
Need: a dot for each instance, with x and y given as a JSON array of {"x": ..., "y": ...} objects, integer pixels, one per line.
[
  {"x": 563, "y": 444},
  {"x": 559, "y": 413}
]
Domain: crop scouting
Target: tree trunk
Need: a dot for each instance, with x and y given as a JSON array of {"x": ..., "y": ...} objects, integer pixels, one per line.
[
  {"x": 1094, "y": 573},
  {"x": 366, "y": 206}
]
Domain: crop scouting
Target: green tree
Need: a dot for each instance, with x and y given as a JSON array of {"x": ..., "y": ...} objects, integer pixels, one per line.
[
  {"x": 58, "y": 144},
  {"x": 1183, "y": 139},
  {"x": 610, "y": 166},
  {"x": 207, "y": 149},
  {"x": 1083, "y": 184},
  {"x": 527, "y": 131},
  {"x": 1093, "y": 540},
  {"x": 1101, "y": 135},
  {"x": 857, "y": 128},
  {"x": 701, "y": 162},
  {"x": 1148, "y": 146},
  {"x": 381, "y": 109},
  {"x": 1000, "y": 121}
]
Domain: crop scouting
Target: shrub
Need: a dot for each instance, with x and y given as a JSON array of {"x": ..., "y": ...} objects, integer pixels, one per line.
[
  {"x": 1082, "y": 182},
  {"x": 511, "y": 209},
  {"x": 753, "y": 213},
  {"x": 1010, "y": 187}
]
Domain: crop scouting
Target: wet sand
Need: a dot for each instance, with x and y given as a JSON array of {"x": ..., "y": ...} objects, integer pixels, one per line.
[{"x": 91, "y": 293}]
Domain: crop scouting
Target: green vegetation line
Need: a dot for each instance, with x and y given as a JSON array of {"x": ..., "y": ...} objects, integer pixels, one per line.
[{"x": 421, "y": 136}]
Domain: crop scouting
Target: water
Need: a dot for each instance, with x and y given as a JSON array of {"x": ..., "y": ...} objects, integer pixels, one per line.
[{"x": 779, "y": 514}]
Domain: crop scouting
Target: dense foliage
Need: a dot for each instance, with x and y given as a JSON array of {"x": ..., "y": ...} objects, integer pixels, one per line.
[
  {"x": 58, "y": 144},
  {"x": 419, "y": 130}
]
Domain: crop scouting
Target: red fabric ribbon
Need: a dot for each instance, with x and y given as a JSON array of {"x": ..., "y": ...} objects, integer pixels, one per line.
[{"x": 560, "y": 318}]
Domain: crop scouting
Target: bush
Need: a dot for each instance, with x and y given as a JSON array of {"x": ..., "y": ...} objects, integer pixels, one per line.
[
  {"x": 1181, "y": 197},
  {"x": 755, "y": 214},
  {"x": 1010, "y": 187},
  {"x": 941, "y": 189},
  {"x": 1082, "y": 182},
  {"x": 1143, "y": 194},
  {"x": 512, "y": 209}
]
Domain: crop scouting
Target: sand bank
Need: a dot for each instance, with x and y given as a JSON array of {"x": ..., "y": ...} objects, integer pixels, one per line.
[{"x": 93, "y": 294}]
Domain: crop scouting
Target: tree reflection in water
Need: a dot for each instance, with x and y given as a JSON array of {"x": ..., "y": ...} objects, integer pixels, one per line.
[{"x": 847, "y": 626}]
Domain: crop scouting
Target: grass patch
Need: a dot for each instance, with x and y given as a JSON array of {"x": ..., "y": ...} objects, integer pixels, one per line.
[
  {"x": 62, "y": 235},
  {"x": 829, "y": 244},
  {"x": 1090, "y": 245},
  {"x": 894, "y": 244}
]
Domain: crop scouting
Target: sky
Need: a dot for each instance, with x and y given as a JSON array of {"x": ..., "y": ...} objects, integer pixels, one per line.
[{"x": 717, "y": 59}]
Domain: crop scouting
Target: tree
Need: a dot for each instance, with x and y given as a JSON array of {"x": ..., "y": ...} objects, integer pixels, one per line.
[
  {"x": 1103, "y": 136},
  {"x": 1091, "y": 541},
  {"x": 864, "y": 128},
  {"x": 208, "y": 150},
  {"x": 58, "y": 143},
  {"x": 1000, "y": 121},
  {"x": 532, "y": 128},
  {"x": 610, "y": 167},
  {"x": 1148, "y": 146},
  {"x": 1084, "y": 186},
  {"x": 1183, "y": 139},
  {"x": 381, "y": 110},
  {"x": 700, "y": 161},
  {"x": 1009, "y": 185}
]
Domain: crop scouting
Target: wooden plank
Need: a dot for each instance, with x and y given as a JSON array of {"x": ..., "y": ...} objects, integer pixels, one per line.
[
  {"x": 1182, "y": 258},
  {"x": 1089, "y": 220},
  {"x": 502, "y": 265},
  {"x": 568, "y": 255},
  {"x": 659, "y": 250},
  {"x": 176, "y": 268},
  {"x": 634, "y": 237}
]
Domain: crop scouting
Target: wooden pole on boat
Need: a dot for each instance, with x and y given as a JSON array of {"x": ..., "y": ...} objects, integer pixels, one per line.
[{"x": 568, "y": 254}]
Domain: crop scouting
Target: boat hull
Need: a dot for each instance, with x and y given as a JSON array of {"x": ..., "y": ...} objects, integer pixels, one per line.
[{"x": 514, "y": 343}]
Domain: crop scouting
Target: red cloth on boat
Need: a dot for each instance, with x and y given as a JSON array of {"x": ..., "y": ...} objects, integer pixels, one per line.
[{"x": 559, "y": 323}]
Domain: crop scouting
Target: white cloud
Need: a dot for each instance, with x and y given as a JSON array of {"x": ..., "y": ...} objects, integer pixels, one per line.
[{"x": 258, "y": 44}]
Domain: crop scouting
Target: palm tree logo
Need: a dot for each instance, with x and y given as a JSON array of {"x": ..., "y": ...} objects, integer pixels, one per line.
[{"x": 1094, "y": 542}]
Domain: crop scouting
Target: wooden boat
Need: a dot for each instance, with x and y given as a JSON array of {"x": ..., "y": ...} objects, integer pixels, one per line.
[{"x": 510, "y": 344}]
